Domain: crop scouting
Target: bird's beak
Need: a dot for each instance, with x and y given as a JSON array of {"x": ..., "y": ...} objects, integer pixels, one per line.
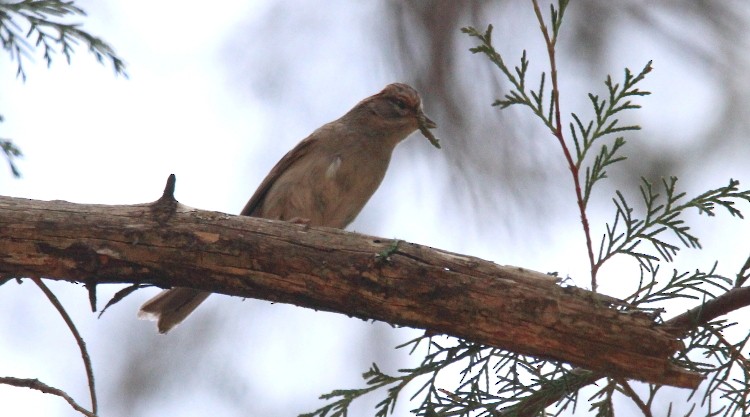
[{"x": 425, "y": 124}]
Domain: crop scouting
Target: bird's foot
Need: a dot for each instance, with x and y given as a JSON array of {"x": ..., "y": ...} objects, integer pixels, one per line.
[{"x": 301, "y": 221}]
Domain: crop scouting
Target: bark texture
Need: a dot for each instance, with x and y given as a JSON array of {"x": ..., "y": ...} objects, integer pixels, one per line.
[{"x": 167, "y": 244}]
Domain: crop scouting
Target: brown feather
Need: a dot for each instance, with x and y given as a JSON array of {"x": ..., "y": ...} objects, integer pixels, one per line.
[{"x": 326, "y": 179}]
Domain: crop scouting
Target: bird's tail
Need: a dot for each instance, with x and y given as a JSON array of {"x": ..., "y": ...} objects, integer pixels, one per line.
[{"x": 170, "y": 307}]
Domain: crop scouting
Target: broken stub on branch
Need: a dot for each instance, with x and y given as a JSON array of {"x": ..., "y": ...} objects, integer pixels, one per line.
[{"x": 167, "y": 244}]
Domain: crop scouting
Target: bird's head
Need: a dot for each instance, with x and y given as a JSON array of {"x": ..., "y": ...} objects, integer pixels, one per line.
[{"x": 395, "y": 112}]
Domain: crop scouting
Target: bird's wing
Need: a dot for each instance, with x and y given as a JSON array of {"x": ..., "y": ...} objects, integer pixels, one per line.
[{"x": 291, "y": 157}]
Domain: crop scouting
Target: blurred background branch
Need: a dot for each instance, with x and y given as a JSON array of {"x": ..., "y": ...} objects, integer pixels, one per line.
[{"x": 218, "y": 93}]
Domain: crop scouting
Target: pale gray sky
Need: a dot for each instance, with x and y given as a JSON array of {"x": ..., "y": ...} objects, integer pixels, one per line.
[{"x": 90, "y": 137}]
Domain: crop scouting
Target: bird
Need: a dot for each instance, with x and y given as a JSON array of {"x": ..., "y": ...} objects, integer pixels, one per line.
[{"x": 325, "y": 180}]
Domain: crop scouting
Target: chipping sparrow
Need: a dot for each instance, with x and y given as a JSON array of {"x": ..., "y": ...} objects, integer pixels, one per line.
[{"x": 325, "y": 180}]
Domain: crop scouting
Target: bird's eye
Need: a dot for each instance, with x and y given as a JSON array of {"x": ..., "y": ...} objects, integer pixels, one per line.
[{"x": 400, "y": 103}]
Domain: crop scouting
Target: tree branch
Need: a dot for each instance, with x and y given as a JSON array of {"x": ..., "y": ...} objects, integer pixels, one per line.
[
  {"x": 578, "y": 378},
  {"x": 79, "y": 340},
  {"x": 41, "y": 386},
  {"x": 630, "y": 393},
  {"x": 167, "y": 244},
  {"x": 731, "y": 300}
]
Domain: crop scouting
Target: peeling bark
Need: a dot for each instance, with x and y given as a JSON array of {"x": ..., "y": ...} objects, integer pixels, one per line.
[{"x": 167, "y": 244}]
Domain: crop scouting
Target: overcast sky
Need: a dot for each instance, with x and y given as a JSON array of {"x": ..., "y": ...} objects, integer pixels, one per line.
[{"x": 91, "y": 137}]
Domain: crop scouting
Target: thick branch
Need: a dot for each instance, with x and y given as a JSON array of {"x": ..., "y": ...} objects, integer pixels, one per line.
[
  {"x": 680, "y": 325},
  {"x": 167, "y": 244}
]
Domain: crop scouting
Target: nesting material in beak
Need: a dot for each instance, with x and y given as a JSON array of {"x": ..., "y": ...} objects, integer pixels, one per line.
[{"x": 424, "y": 125}]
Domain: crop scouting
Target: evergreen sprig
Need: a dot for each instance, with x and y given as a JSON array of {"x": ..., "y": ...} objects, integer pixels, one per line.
[
  {"x": 602, "y": 401},
  {"x": 11, "y": 152},
  {"x": 586, "y": 134},
  {"x": 727, "y": 387},
  {"x": 375, "y": 379},
  {"x": 30, "y": 24},
  {"x": 662, "y": 214},
  {"x": 533, "y": 99},
  {"x": 489, "y": 378},
  {"x": 694, "y": 285}
]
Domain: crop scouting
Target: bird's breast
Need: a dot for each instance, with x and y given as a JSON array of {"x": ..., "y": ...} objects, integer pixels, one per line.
[
  {"x": 346, "y": 186},
  {"x": 328, "y": 191}
]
